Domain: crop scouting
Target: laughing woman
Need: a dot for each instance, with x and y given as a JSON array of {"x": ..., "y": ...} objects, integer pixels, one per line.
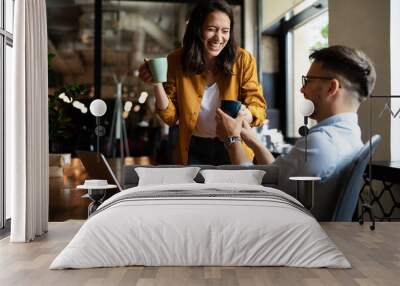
[{"x": 210, "y": 67}]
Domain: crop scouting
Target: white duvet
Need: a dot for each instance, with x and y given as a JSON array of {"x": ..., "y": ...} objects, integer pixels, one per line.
[{"x": 185, "y": 230}]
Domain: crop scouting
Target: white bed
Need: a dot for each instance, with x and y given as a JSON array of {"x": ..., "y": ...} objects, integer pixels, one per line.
[{"x": 201, "y": 224}]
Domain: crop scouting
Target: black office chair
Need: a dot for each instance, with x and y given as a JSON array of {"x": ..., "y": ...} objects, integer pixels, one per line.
[{"x": 349, "y": 197}]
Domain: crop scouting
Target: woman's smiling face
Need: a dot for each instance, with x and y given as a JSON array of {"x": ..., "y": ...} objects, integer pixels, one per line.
[{"x": 215, "y": 33}]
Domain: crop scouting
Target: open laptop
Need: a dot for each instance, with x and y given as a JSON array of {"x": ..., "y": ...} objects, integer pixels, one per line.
[{"x": 98, "y": 168}]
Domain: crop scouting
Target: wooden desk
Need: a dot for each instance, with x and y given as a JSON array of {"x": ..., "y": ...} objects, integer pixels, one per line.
[{"x": 388, "y": 173}]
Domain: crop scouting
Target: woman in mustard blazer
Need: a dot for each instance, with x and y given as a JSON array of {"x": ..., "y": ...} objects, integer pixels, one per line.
[{"x": 210, "y": 67}]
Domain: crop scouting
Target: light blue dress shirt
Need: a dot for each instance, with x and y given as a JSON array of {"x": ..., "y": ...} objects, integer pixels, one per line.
[{"x": 331, "y": 147}]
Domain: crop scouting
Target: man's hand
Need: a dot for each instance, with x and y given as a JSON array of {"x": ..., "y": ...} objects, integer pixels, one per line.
[
  {"x": 247, "y": 134},
  {"x": 227, "y": 126},
  {"x": 262, "y": 154}
]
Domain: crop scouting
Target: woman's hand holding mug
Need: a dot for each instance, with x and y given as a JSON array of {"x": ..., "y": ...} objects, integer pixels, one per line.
[
  {"x": 154, "y": 71},
  {"x": 145, "y": 73}
]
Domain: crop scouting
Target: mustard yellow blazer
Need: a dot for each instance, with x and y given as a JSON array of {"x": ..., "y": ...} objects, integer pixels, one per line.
[{"x": 185, "y": 94}]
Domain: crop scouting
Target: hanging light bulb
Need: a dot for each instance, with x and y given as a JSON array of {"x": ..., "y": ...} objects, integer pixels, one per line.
[
  {"x": 306, "y": 107},
  {"x": 76, "y": 104},
  {"x": 128, "y": 106},
  {"x": 143, "y": 96},
  {"x": 98, "y": 107}
]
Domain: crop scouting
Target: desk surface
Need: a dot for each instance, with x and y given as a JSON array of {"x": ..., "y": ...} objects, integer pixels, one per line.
[
  {"x": 388, "y": 164},
  {"x": 385, "y": 171}
]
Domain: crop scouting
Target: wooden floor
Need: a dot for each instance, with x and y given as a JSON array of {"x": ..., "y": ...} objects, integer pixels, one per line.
[{"x": 374, "y": 255}]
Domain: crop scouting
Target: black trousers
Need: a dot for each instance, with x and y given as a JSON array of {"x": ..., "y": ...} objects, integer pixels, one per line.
[{"x": 207, "y": 151}]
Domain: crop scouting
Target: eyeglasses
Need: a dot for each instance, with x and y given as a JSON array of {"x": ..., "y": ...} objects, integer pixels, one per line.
[{"x": 305, "y": 79}]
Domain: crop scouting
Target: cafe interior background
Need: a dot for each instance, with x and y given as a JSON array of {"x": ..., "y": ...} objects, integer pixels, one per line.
[{"x": 96, "y": 47}]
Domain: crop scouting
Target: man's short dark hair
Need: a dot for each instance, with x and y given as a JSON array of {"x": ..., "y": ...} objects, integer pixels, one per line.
[{"x": 353, "y": 65}]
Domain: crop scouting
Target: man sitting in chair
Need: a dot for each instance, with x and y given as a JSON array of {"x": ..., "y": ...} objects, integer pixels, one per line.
[{"x": 339, "y": 79}]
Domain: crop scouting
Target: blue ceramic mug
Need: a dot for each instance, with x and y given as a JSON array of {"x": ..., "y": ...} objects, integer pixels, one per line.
[{"x": 231, "y": 107}]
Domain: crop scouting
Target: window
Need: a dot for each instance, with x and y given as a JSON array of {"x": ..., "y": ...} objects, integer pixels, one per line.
[
  {"x": 286, "y": 46},
  {"x": 6, "y": 42},
  {"x": 306, "y": 38}
]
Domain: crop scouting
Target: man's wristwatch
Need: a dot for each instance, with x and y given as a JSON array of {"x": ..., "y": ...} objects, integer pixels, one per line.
[{"x": 231, "y": 139}]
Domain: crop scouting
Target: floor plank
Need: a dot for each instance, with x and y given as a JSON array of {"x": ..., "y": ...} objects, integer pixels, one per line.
[{"x": 375, "y": 257}]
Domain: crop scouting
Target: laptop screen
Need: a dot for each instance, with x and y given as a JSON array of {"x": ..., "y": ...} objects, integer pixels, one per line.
[{"x": 98, "y": 168}]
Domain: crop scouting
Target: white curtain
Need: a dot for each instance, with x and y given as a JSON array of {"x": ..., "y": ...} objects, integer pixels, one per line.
[{"x": 27, "y": 124}]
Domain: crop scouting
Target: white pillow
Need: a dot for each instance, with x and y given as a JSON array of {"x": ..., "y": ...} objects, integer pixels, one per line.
[
  {"x": 249, "y": 177},
  {"x": 163, "y": 176}
]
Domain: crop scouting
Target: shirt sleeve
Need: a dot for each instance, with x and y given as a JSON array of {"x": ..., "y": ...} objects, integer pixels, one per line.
[
  {"x": 251, "y": 90},
  {"x": 170, "y": 115},
  {"x": 321, "y": 162}
]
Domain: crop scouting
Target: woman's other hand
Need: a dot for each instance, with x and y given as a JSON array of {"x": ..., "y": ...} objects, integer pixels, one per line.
[
  {"x": 145, "y": 73},
  {"x": 245, "y": 113}
]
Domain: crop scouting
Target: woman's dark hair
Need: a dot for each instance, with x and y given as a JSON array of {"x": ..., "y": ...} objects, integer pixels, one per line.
[
  {"x": 192, "y": 57},
  {"x": 353, "y": 65}
]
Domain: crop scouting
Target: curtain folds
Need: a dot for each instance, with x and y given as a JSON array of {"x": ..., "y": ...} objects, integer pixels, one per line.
[{"x": 27, "y": 124}]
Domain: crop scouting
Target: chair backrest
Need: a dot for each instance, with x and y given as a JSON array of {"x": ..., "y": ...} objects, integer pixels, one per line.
[{"x": 348, "y": 199}]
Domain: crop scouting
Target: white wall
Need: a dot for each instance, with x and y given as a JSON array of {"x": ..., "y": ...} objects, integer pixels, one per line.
[
  {"x": 395, "y": 76},
  {"x": 273, "y": 10},
  {"x": 365, "y": 24},
  {"x": 250, "y": 22}
]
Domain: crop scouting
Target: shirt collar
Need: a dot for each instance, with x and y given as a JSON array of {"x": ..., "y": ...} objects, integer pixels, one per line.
[{"x": 341, "y": 117}]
